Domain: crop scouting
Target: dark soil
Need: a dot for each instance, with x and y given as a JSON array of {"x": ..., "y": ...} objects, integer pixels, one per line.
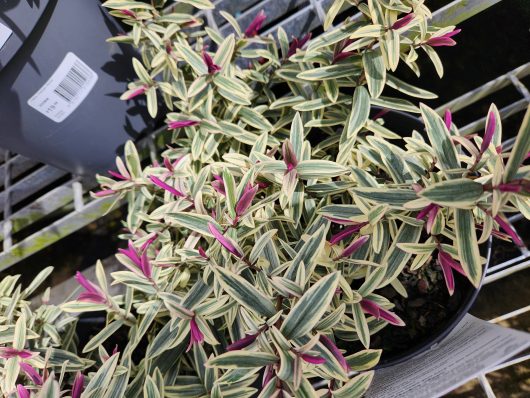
[{"x": 426, "y": 311}]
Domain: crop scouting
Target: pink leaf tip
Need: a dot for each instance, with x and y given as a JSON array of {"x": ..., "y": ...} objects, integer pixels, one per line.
[
  {"x": 224, "y": 241},
  {"x": 196, "y": 335},
  {"x": 402, "y": 22},
  {"x": 256, "y": 24}
]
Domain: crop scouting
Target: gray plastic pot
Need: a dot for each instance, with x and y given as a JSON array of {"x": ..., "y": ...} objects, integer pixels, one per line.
[{"x": 60, "y": 84}]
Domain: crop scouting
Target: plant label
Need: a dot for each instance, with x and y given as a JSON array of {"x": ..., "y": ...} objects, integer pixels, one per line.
[
  {"x": 65, "y": 90},
  {"x": 471, "y": 349}
]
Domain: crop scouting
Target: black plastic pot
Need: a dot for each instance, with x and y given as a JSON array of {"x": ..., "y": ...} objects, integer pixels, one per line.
[
  {"x": 469, "y": 295},
  {"x": 403, "y": 123},
  {"x": 90, "y": 324},
  {"x": 60, "y": 84},
  {"x": 399, "y": 122}
]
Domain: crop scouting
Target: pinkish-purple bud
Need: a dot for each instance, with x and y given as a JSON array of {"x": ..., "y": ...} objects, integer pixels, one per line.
[
  {"x": 346, "y": 232},
  {"x": 400, "y": 23},
  {"x": 289, "y": 157},
  {"x": 342, "y": 55},
  {"x": 312, "y": 359},
  {"x": 132, "y": 254},
  {"x": 441, "y": 42},
  {"x": 372, "y": 308},
  {"x": 431, "y": 218},
  {"x": 246, "y": 200},
  {"x": 128, "y": 13},
  {"x": 448, "y": 119},
  {"x": 243, "y": 342},
  {"x": 203, "y": 254},
  {"x": 208, "y": 61},
  {"x": 91, "y": 297},
  {"x": 92, "y": 294},
  {"x": 86, "y": 284},
  {"x": 489, "y": 133},
  {"x": 22, "y": 391},
  {"x": 451, "y": 262},
  {"x": 354, "y": 246},
  {"x": 332, "y": 347},
  {"x": 157, "y": 181},
  {"x": 447, "y": 271},
  {"x": 137, "y": 92},
  {"x": 256, "y": 24},
  {"x": 444, "y": 40},
  {"x": 453, "y": 32},
  {"x": 267, "y": 375},
  {"x": 219, "y": 185},
  {"x": 119, "y": 176},
  {"x": 380, "y": 114},
  {"x": 9, "y": 352},
  {"x": 224, "y": 241},
  {"x": 196, "y": 335},
  {"x": 103, "y": 193},
  {"x": 78, "y": 387},
  {"x": 507, "y": 227},
  {"x": 510, "y": 187},
  {"x": 168, "y": 164},
  {"x": 177, "y": 124},
  {"x": 149, "y": 241},
  {"x": 296, "y": 44},
  {"x": 145, "y": 266},
  {"x": 31, "y": 373},
  {"x": 423, "y": 212}
]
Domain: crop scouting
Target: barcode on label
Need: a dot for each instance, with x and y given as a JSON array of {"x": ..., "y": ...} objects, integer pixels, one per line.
[
  {"x": 65, "y": 90},
  {"x": 73, "y": 82}
]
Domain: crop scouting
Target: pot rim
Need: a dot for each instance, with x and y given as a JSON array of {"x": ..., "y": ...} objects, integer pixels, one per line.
[{"x": 434, "y": 339}]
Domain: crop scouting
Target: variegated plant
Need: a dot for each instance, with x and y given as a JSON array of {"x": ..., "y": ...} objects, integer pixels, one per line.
[
  {"x": 258, "y": 247},
  {"x": 36, "y": 342}
]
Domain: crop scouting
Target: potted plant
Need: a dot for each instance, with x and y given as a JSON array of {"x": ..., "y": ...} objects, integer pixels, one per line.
[{"x": 260, "y": 258}]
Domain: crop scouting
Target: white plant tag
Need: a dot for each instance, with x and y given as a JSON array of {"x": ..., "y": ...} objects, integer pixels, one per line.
[
  {"x": 5, "y": 33},
  {"x": 472, "y": 348},
  {"x": 65, "y": 90}
]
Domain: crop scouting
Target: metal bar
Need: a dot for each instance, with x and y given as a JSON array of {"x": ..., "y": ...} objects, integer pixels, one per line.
[
  {"x": 67, "y": 289},
  {"x": 484, "y": 90},
  {"x": 7, "y": 227},
  {"x": 510, "y": 315},
  {"x": 509, "y": 271},
  {"x": 31, "y": 184},
  {"x": 520, "y": 87},
  {"x": 77, "y": 188},
  {"x": 153, "y": 153},
  {"x": 461, "y": 10},
  {"x": 510, "y": 363},
  {"x": 484, "y": 383},
  {"x": 515, "y": 217},
  {"x": 505, "y": 113},
  {"x": 17, "y": 165},
  {"x": 54, "y": 232},
  {"x": 302, "y": 21},
  {"x": 275, "y": 9},
  {"x": 40, "y": 208},
  {"x": 211, "y": 20},
  {"x": 507, "y": 263},
  {"x": 317, "y": 6}
]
